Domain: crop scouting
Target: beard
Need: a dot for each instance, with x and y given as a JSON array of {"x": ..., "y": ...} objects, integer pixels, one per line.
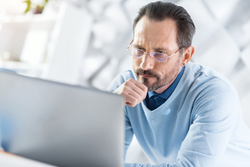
[{"x": 160, "y": 81}]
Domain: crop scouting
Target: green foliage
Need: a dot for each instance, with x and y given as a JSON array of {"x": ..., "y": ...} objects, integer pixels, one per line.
[
  {"x": 28, "y": 2},
  {"x": 37, "y": 7}
]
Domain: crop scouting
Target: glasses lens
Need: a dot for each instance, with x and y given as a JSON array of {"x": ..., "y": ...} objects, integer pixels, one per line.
[
  {"x": 136, "y": 52},
  {"x": 159, "y": 56}
]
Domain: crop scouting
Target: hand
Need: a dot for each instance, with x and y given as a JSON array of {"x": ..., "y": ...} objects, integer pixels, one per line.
[
  {"x": 6, "y": 153},
  {"x": 133, "y": 91}
]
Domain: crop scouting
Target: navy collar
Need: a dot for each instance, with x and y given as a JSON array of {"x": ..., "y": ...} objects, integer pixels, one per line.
[{"x": 170, "y": 89}]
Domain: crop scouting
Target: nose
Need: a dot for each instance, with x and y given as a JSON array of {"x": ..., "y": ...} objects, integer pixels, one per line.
[{"x": 147, "y": 62}]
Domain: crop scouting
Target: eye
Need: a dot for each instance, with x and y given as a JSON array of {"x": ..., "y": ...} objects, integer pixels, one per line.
[
  {"x": 138, "y": 52},
  {"x": 159, "y": 52},
  {"x": 140, "y": 49},
  {"x": 159, "y": 55}
]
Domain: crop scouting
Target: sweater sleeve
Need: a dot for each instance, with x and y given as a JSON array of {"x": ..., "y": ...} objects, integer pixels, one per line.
[
  {"x": 128, "y": 135},
  {"x": 214, "y": 117},
  {"x": 119, "y": 80}
]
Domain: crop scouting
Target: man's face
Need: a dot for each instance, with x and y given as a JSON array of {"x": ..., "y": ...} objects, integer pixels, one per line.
[{"x": 155, "y": 36}]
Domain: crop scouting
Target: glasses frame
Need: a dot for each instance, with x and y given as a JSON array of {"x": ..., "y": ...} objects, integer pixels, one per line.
[{"x": 151, "y": 52}]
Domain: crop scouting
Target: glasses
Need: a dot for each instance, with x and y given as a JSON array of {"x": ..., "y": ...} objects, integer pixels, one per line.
[{"x": 137, "y": 53}]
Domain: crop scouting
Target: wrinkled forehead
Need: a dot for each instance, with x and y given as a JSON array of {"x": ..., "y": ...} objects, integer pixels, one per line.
[{"x": 151, "y": 33}]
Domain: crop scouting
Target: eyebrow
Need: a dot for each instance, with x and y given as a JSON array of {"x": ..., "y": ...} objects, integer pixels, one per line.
[
  {"x": 157, "y": 49},
  {"x": 138, "y": 46},
  {"x": 163, "y": 49}
]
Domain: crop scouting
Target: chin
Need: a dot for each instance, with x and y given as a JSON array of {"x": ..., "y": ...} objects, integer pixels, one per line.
[{"x": 151, "y": 86}]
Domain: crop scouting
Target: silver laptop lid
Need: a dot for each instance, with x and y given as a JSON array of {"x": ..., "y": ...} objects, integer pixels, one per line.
[{"x": 60, "y": 124}]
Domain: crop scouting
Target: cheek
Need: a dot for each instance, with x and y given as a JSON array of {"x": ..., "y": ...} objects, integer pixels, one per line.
[
  {"x": 161, "y": 69},
  {"x": 136, "y": 62}
]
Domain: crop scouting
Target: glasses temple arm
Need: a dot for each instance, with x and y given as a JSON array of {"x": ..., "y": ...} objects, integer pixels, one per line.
[{"x": 130, "y": 43}]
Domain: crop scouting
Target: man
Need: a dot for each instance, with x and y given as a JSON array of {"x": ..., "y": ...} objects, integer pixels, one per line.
[{"x": 182, "y": 113}]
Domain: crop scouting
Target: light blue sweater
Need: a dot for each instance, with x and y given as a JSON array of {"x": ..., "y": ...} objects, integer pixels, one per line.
[{"x": 200, "y": 124}]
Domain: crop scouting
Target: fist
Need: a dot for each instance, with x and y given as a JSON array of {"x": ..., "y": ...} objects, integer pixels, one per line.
[{"x": 133, "y": 91}]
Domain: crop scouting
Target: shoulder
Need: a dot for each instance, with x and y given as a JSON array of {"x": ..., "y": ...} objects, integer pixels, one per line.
[
  {"x": 120, "y": 79},
  {"x": 208, "y": 81},
  {"x": 212, "y": 92}
]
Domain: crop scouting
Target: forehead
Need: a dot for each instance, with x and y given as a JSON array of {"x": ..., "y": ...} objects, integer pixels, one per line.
[{"x": 151, "y": 33}]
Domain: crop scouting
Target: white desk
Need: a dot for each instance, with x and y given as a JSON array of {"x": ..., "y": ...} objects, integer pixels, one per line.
[{"x": 9, "y": 160}]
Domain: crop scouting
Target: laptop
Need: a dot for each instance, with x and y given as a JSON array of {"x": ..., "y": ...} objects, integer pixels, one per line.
[{"x": 60, "y": 124}]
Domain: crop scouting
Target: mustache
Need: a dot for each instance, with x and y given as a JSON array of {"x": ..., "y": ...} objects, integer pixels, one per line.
[{"x": 146, "y": 72}]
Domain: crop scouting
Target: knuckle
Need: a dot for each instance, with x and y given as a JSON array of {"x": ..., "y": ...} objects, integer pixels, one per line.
[
  {"x": 127, "y": 100},
  {"x": 130, "y": 79},
  {"x": 133, "y": 103},
  {"x": 125, "y": 89},
  {"x": 126, "y": 83}
]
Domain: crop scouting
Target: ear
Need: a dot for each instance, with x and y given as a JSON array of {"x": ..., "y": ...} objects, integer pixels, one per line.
[{"x": 187, "y": 55}]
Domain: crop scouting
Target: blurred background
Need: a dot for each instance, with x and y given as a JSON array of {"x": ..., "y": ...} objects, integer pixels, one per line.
[{"x": 83, "y": 42}]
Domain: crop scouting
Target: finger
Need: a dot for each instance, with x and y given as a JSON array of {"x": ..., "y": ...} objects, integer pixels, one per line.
[
  {"x": 140, "y": 88},
  {"x": 131, "y": 101},
  {"x": 143, "y": 87},
  {"x": 141, "y": 91},
  {"x": 129, "y": 91}
]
